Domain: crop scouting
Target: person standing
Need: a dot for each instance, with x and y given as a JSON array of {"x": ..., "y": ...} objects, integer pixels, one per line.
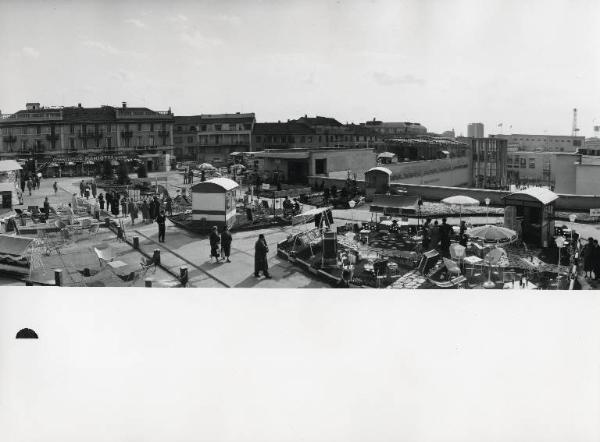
[
  {"x": 435, "y": 235},
  {"x": 132, "y": 210},
  {"x": 29, "y": 186},
  {"x": 81, "y": 188},
  {"x": 160, "y": 220},
  {"x": 445, "y": 231},
  {"x": 22, "y": 185},
  {"x": 214, "y": 244},
  {"x": 108, "y": 201},
  {"x": 587, "y": 254},
  {"x": 426, "y": 235},
  {"x": 226, "y": 242},
  {"x": 169, "y": 206},
  {"x": 260, "y": 257},
  {"x": 94, "y": 189},
  {"x": 101, "y": 201},
  {"x": 124, "y": 206},
  {"x": 86, "y": 192},
  {"x": 185, "y": 176},
  {"x": 47, "y": 207},
  {"x": 115, "y": 205},
  {"x": 55, "y": 187},
  {"x": 145, "y": 211},
  {"x": 596, "y": 260}
]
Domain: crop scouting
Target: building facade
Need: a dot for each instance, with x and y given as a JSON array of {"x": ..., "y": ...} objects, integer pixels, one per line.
[
  {"x": 213, "y": 137},
  {"x": 475, "y": 130},
  {"x": 489, "y": 157},
  {"x": 286, "y": 135},
  {"x": 553, "y": 169},
  {"x": 591, "y": 147},
  {"x": 80, "y": 135},
  {"x": 396, "y": 129},
  {"x": 543, "y": 143}
]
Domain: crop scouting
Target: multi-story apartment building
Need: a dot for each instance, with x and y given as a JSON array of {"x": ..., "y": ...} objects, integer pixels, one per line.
[
  {"x": 78, "y": 136},
  {"x": 286, "y": 135},
  {"x": 475, "y": 130},
  {"x": 396, "y": 129},
  {"x": 222, "y": 134},
  {"x": 543, "y": 143},
  {"x": 213, "y": 137},
  {"x": 186, "y": 144},
  {"x": 489, "y": 156}
]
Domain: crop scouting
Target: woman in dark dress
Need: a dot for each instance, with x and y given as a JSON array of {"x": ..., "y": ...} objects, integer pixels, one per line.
[
  {"x": 115, "y": 205},
  {"x": 101, "y": 201},
  {"x": 260, "y": 257},
  {"x": 108, "y": 201},
  {"x": 145, "y": 211},
  {"x": 215, "y": 239}
]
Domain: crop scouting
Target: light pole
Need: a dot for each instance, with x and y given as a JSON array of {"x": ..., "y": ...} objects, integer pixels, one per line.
[
  {"x": 351, "y": 204},
  {"x": 487, "y": 210},
  {"x": 560, "y": 243}
]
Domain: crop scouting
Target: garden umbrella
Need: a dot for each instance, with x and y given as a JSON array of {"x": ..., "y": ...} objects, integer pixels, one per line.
[
  {"x": 460, "y": 200},
  {"x": 493, "y": 234},
  {"x": 206, "y": 166},
  {"x": 493, "y": 258}
]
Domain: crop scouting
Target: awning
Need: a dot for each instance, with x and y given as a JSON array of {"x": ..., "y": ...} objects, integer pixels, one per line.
[
  {"x": 394, "y": 204},
  {"x": 386, "y": 155},
  {"x": 9, "y": 165}
]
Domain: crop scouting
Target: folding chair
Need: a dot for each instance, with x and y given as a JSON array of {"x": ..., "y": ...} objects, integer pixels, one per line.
[{"x": 104, "y": 256}]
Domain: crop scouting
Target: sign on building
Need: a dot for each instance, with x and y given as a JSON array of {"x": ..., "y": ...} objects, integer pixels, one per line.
[
  {"x": 595, "y": 212},
  {"x": 265, "y": 186}
]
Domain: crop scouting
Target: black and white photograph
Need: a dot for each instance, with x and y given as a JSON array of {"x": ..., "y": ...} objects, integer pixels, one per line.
[{"x": 299, "y": 220}]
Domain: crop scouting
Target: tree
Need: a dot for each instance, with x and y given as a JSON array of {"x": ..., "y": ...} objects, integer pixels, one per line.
[
  {"x": 142, "y": 172},
  {"x": 123, "y": 173},
  {"x": 107, "y": 172}
]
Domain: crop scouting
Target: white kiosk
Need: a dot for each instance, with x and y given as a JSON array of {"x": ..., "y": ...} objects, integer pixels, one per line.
[{"x": 213, "y": 202}]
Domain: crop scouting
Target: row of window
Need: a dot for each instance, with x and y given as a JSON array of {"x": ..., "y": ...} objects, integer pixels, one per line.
[
  {"x": 74, "y": 128},
  {"x": 309, "y": 139},
  {"x": 215, "y": 127},
  {"x": 519, "y": 162},
  {"x": 75, "y": 143}
]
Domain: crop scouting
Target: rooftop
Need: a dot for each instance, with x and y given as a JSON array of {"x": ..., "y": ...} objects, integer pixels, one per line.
[
  {"x": 319, "y": 121},
  {"x": 290, "y": 127}
]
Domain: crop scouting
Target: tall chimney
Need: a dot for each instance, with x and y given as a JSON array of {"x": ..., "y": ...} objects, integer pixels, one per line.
[
  {"x": 124, "y": 103},
  {"x": 79, "y": 105}
]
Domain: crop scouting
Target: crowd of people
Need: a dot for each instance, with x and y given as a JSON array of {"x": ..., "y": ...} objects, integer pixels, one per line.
[{"x": 438, "y": 236}]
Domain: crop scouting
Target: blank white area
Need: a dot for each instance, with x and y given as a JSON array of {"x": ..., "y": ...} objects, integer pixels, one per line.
[{"x": 227, "y": 365}]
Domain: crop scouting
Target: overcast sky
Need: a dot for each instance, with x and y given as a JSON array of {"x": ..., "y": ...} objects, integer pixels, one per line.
[{"x": 526, "y": 64}]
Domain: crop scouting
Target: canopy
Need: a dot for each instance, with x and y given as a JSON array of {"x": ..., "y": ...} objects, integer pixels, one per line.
[
  {"x": 215, "y": 185},
  {"x": 532, "y": 194},
  {"x": 9, "y": 165},
  {"x": 70, "y": 163},
  {"x": 386, "y": 155},
  {"x": 309, "y": 215},
  {"x": 400, "y": 204},
  {"x": 379, "y": 169}
]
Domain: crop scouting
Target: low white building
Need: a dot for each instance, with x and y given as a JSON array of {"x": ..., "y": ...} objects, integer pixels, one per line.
[
  {"x": 213, "y": 202},
  {"x": 10, "y": 174}
]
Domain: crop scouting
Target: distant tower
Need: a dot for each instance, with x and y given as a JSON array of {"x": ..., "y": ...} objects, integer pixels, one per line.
[{"x": 575, "y": 129}]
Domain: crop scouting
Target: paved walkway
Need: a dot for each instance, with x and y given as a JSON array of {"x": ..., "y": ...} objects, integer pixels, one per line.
[{"x": 184, "y": 248}]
